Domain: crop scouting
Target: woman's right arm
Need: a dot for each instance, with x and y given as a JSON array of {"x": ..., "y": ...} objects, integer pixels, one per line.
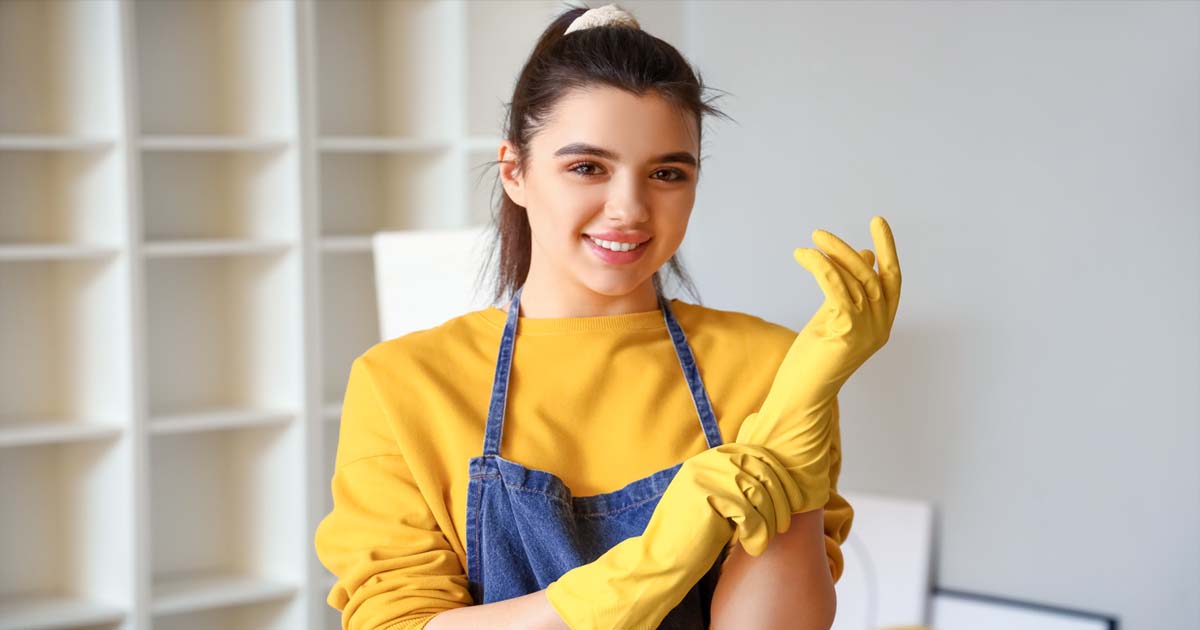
[
  {"x": 395, "y": 568},
  {"x": 532, "y": 612}
]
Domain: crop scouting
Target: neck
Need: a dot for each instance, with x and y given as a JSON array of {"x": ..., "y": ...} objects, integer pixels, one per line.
[{"x": 546, "y": 297}]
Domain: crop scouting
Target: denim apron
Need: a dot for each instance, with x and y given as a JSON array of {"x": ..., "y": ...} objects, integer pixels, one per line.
[{"x": 524, "y": 529}]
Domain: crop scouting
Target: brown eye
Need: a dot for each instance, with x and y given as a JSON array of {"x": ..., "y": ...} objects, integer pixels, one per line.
[
  {"x": 679, "y": 175},
  {"x": 575, "y": 168}
]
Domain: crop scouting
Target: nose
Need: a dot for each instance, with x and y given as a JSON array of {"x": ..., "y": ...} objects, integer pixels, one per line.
[{"x": 626, "y": 203}]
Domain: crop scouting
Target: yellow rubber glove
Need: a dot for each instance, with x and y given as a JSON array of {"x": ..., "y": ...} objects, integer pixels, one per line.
[
  {"x": 729, "y": 488},
  {"x": 797, "y": 417}
]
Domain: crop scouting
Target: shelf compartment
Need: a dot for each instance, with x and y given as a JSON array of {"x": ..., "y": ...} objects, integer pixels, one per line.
[
  {"x": 64, "y": 368},
  {"x": 349, "y": 317},
  {"x": 66, "y": 513},
  {"x": 56, "y": 196},
  {"x": 493, "y": 62},
  {"x": 220, "y": 194},
  {"x": 221, "y": 67},
  {"x": 362, "y": 193},
  {"x": 226, "y": 510},
  {"x": 59, "y": 66},
  {"x": 223, "y": 334},
  {"x": 378, "y": 52}
]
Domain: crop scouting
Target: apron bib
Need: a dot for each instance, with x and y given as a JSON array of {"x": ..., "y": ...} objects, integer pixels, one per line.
[{"x": 524, "y": 529}]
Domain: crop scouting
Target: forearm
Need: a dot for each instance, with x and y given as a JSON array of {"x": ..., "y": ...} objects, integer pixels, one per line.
[
  {"x": 527, "y": 612},
  {"x": 788, "y": 586}
]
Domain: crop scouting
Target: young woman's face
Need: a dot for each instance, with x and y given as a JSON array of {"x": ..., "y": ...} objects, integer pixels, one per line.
[{"x": 608, "y": 162}]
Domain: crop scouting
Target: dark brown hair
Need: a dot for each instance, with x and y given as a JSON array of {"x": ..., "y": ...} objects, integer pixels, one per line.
[{"x": 617, "y": 56}]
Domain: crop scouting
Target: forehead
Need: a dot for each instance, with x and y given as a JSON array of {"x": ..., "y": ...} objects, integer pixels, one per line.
[{"x": 634, "y": 126}]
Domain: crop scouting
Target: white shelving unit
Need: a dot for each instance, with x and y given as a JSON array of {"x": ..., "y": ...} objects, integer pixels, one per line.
[{"x": 188, "y": 190}]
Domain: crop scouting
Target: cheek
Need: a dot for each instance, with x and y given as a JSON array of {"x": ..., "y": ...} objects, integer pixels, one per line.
[
  {"x": 564, "y": 208},
  {"x": 560, "y": 229},
  {"x": 673, "y": 224}
]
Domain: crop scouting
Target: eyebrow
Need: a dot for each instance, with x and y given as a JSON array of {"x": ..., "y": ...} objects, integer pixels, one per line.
[{"x": 582, "y": 148}]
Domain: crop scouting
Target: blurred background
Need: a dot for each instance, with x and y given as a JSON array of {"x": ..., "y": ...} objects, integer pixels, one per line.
[{"x": 189, "y": 196}]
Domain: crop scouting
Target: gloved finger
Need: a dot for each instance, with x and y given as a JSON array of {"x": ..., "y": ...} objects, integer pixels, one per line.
[
  {"x": 763, "y": 466},
  {"x": 793, "y": 496},
  {"x": 834, "y": 250},
  {"x": 889, "y": 264},
  {"x": 824, "y": 272},
  {"x": 848, "y": 258},
  {"x": 858, "y": 296},
  {"x": 759, "y": 527},
  {"x": 879, "y": 308},
  {"x": 752, "y": 529},
  {"x": 767, "y": 491}
]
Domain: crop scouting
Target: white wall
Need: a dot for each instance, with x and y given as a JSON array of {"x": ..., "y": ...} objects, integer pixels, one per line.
[{"x": 1038, "y": 163}]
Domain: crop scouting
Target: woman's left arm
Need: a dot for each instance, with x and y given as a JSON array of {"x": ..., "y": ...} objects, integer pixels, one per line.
[
  {"x": 788, "y": 586},
  {"x": 791, "y": 585}
]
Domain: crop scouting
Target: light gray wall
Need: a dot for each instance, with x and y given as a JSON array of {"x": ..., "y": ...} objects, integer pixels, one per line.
[{"x": 1038, "y": 163}]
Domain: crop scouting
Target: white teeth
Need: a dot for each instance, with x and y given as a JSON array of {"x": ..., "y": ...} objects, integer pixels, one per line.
[{"x": 613, "y": 245}]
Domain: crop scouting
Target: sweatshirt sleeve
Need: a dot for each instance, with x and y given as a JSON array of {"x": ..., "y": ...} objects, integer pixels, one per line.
[
  {"x": 839, "y": 514},
  {"x": 394, "y": 567}
]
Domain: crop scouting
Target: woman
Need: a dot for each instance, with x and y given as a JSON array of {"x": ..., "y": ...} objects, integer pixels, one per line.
[{"x": 617, "y": 494}]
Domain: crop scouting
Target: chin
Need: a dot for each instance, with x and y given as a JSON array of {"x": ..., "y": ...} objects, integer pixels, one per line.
[{"x": 616, "y": 287}]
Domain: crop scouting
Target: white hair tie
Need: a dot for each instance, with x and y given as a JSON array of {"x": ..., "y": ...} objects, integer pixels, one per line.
[{"x": 606, "y": 15}]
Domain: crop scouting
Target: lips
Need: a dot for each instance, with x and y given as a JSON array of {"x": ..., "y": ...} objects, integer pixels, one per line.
[
  {"x": 613, "y": 257},
  {"x": 635, "y": 238}
]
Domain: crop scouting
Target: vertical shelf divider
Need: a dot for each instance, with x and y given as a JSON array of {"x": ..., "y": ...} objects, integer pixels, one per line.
[
  {"x": 128, "y": 140},
  {"x": 310, "y": 226}
]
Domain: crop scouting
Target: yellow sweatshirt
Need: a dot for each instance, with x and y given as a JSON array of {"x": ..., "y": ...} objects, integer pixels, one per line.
[{"x": 599, "y": 401}]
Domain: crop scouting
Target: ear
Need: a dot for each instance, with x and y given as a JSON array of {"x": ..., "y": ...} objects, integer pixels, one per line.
[{"x": 510, "y": 177}]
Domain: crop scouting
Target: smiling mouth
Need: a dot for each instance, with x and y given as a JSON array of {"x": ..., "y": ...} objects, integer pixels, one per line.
[{"x": 625, "y": 247}]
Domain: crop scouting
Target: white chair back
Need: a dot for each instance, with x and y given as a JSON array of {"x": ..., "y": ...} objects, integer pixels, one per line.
[{"x": 425, "y": 277}]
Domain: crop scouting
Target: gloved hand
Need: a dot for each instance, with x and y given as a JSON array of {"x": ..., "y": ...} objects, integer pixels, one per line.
[
  {"x": 797, "y": 417},
  {"x": 729, "y": 488}
]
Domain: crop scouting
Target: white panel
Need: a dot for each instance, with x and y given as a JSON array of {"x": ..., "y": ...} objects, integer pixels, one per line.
[
  {"x": 886, "y": 580},
  {"x": 426, "y": 277}
]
